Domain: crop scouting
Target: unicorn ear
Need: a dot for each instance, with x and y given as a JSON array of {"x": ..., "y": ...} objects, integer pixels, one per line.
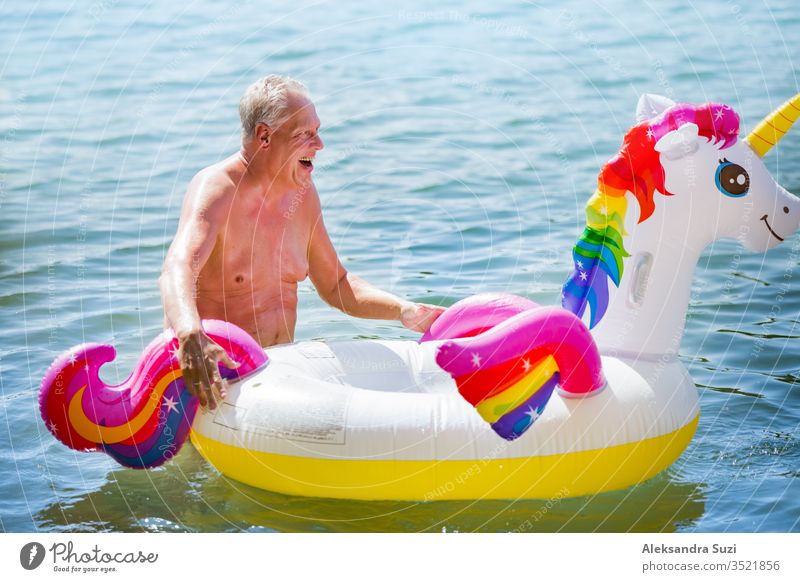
[
  {"x": 679, "y": 142},
  {"x": 651, "y": 106}
]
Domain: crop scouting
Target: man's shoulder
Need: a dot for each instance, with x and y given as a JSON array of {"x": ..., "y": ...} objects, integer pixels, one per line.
[
  {"x": 214, "y": 183},
  {"x": 312, "y": 196},
  {"x": 220, "y": 175}
]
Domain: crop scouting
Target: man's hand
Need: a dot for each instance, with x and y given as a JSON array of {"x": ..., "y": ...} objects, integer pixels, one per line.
[
  {"x": 419, "y": 316},
  {"x": 198, "y": 356}
]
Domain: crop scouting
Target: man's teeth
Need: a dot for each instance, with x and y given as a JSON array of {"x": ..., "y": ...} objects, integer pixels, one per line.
[{"x": 306, "y": 159}]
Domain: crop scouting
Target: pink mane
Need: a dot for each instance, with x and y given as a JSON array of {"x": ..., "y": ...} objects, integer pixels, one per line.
[{"x": 637, "y": 168}]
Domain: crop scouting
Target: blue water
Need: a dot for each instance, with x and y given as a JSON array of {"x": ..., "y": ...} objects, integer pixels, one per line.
[{"x": 462, "y": 143}]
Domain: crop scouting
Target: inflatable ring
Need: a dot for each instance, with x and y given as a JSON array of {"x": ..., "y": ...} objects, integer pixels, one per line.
[
  {"x": 395, "y": 419},
  {"x": 371, "y": 419}
]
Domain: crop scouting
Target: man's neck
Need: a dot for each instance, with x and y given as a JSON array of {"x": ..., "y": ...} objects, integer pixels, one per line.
[{"x": 257, "y": 170}]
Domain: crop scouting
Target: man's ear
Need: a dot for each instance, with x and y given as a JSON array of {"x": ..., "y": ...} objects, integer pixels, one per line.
[{"x": 263, "y": 134}]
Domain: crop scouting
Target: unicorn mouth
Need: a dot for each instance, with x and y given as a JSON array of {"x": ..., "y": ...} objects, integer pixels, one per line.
[{"x": 764, "y": 218}]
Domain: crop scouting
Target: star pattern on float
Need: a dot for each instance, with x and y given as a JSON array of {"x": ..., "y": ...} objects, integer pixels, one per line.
[
  {"x": 526, "y": 364},
  {"x": 171, "y": 404},
  {"x": 53, "y": 428},
  {"x": 583, "y": 276},
  {"x": 533, "y": 413},
  {"x": 476, "y": 360}
]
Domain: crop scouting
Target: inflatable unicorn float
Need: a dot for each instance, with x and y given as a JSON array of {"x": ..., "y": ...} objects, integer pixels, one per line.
[{"x": 579, "y": 411}]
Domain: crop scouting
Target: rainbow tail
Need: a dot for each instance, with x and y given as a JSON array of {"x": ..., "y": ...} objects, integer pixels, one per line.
[
  {"x": 509, "y": 372},
  {"x": 144, "y": 421}
]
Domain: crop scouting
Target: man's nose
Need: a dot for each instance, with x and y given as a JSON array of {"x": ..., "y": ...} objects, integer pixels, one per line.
[{"x": 319, "y": 145}]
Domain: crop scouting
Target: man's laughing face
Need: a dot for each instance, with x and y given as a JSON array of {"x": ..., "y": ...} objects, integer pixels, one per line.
[{"x": 295, "y": 143}]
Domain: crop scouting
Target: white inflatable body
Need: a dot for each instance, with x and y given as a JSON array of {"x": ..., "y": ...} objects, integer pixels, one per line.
[{"x": 380, "y": 420}]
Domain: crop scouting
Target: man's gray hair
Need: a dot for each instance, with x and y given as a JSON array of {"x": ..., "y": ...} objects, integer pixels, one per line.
[{"x": 267, "y": 101}]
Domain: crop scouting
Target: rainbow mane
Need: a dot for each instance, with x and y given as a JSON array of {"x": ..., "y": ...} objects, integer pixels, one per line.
[{"x": 599, "y": 253}]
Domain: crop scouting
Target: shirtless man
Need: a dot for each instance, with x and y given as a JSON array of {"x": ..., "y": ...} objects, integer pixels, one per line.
[{"x": 250, "y": 229}]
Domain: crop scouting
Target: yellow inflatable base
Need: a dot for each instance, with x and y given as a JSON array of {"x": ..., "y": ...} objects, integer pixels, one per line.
[{"x": 567, "y": 475}]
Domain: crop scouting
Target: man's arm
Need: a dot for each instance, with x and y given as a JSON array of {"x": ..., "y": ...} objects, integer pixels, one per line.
[
  {"x": 351, "y": 294},
  {"x": 202, "y": 214}
]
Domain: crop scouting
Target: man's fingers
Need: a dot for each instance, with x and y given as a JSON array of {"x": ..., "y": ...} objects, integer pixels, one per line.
[
  {"x": 194, "y": 383},
  {"x": 196, "y": 389},
  {"x": 426, "y": 315},
  {"x": 216, "y": 385},
  {"x": 201, "y": 380},
  {"x": 209, "y": 369},
  {"x": 218, "y": 390},
  {"x": 199, "y": 360},
  {"x": 191, "y": 385},
  {"x": 227, "y": 361}
]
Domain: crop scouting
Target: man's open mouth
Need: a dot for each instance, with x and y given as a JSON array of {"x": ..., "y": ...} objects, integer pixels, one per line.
[
  {"x": 764, "y": 218},
  {"x": 307, "y": 162}
]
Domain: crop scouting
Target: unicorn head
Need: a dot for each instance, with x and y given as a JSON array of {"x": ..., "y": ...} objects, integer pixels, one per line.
[
  {"x": 681, "y": 180},
  {"x": 730, "y": 192}
]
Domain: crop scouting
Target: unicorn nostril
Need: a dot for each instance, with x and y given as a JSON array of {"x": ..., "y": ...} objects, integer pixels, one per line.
[{"x": 786, "y": 210}]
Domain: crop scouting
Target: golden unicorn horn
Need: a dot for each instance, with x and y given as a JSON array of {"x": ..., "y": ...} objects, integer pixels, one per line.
[{"x": 774, "y": 126}]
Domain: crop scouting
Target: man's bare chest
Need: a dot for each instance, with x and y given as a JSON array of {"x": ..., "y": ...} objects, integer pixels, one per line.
[{"x": 268, "y": 245}]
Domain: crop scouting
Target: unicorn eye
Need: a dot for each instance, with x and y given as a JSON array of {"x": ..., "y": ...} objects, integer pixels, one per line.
[{"x": 732, "y": 179}]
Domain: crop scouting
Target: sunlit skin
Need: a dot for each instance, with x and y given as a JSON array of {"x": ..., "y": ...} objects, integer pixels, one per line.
[{"x": 250, "y": 230}]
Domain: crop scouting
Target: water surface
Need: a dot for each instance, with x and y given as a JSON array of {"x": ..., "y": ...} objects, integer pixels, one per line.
[{"x": 462, "y": 144}]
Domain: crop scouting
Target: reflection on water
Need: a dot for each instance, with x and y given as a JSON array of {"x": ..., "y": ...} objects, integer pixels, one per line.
[{"x": 188, "y": 495}]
